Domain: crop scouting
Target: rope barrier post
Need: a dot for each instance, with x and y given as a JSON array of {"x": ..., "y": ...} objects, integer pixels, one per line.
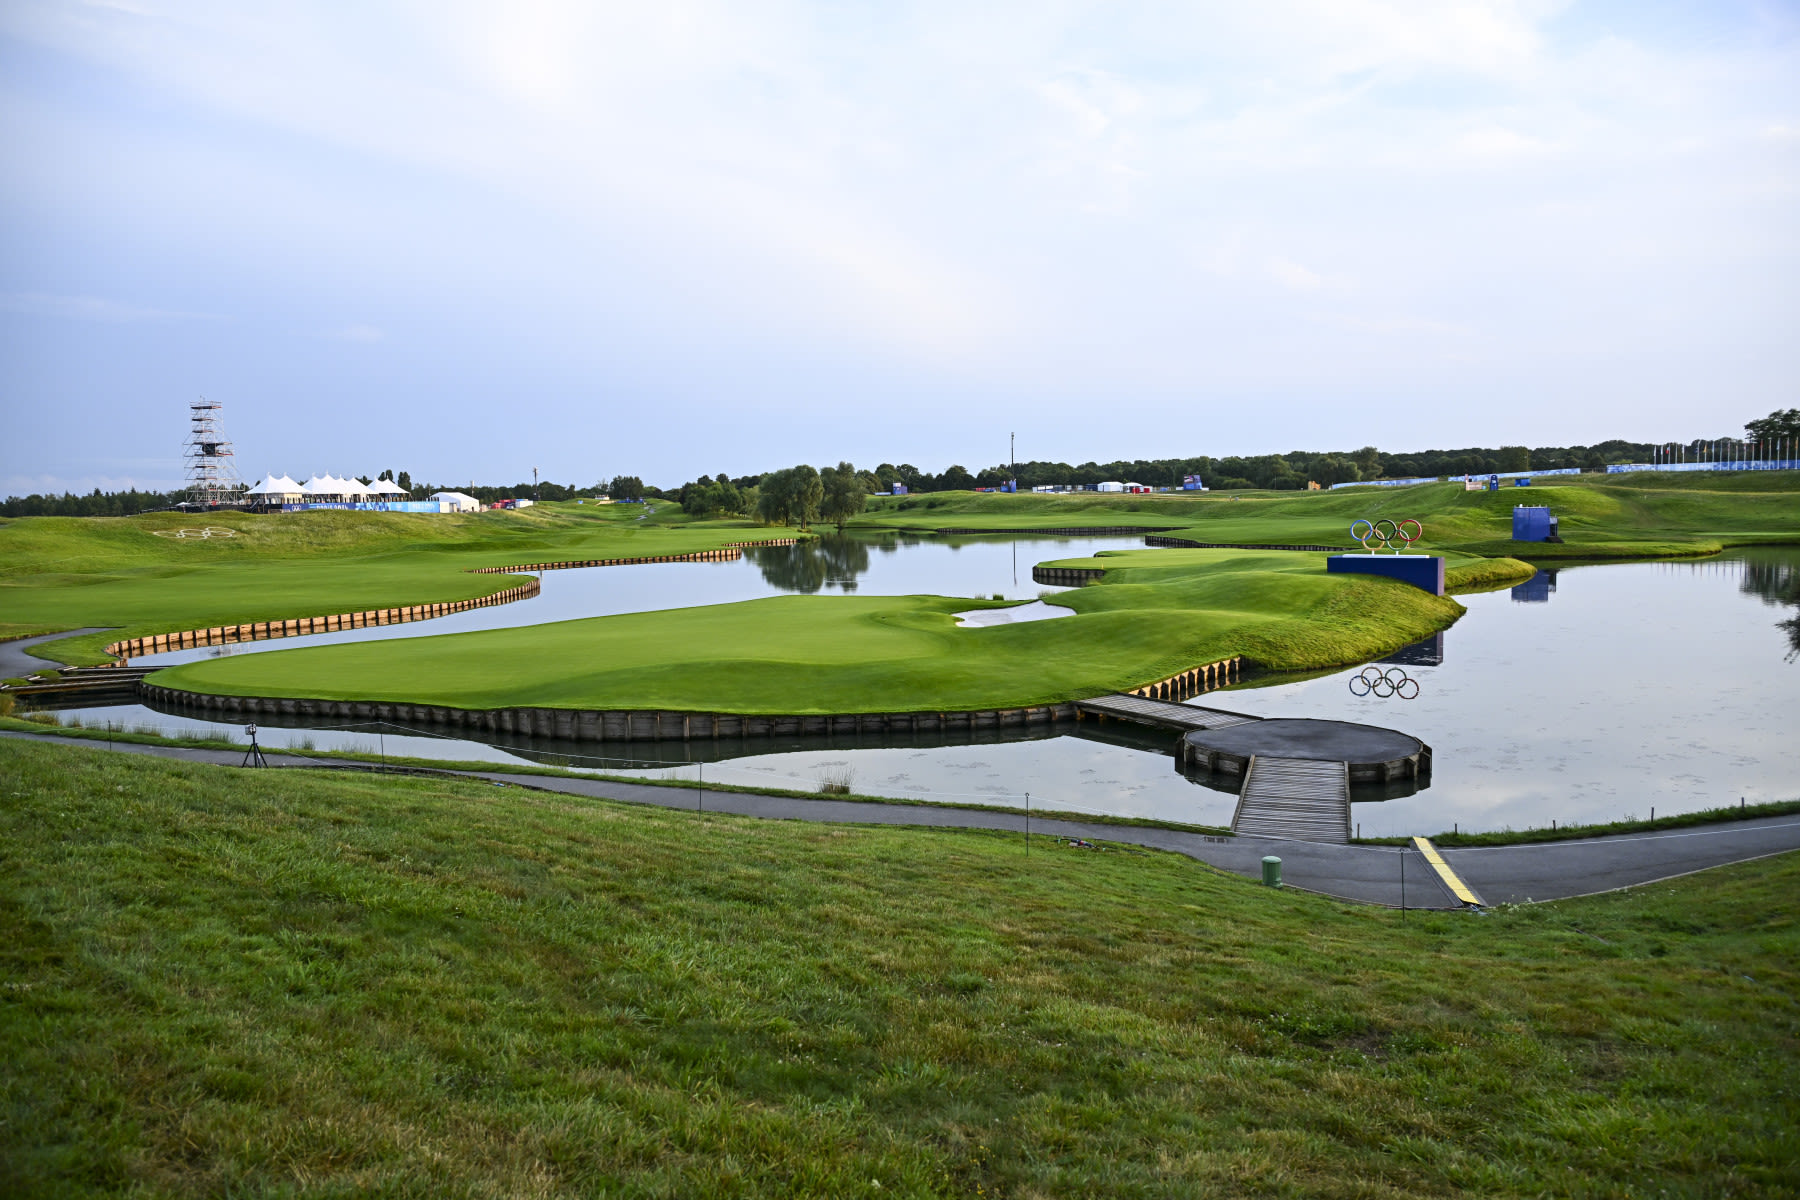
[
  {"x": 1027, "y": 824},
  {"x": 700, "y": 789},
  {"x": 1403, "y": 883}
]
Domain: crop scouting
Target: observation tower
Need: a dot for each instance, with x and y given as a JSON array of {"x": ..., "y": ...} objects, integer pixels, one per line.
[{"x": 212, "y": 477}]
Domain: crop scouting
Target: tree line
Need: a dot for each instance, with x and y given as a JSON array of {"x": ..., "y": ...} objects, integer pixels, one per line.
[{"x": 801, "y": 495}]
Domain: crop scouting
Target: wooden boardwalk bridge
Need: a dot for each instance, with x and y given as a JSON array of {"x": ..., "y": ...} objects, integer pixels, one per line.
[
  {"x": 1296, "y": 773},
  {"x": 1307, "y": 799},
  {"x": 1162, "y": 714}
]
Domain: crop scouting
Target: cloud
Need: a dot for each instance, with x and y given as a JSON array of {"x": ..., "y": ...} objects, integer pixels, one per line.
[
  {"x": 1294, "y": 277},
  {"x": 1495, "y": 144},
  {"x": 91, "y": 308},
  {"x": 787, "y": 200}
]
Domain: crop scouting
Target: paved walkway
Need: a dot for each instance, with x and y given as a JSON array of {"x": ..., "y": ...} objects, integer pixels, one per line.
[
  {"x": 15, "y": 663},
  {"x": 1370, "y": 874}
]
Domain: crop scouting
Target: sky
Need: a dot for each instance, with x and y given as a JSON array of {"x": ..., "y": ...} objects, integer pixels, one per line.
[{"x": 466, "y": 240}]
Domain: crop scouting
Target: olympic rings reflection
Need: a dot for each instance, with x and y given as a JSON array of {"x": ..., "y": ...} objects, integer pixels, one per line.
[{"x": 1384, "y": 684}]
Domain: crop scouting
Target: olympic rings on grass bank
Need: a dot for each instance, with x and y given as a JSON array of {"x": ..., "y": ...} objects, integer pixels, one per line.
[
  {"x": 1387, "y": 535},
  {"x": 1384, "y": 684}
]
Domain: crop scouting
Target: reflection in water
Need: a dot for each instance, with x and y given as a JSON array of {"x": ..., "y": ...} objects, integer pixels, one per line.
[
  {"x": 1778, "y": 583},
  {"x": 1426, "y": 653},
  {"x": 1536, "y": 590},
  {"x": 831, "y": 560},
  {"x": 1770, "y": 574}
]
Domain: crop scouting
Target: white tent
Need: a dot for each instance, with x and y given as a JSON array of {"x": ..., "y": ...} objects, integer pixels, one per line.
[
  {"x": 276, "y": 488},
  {"x": 457, "y": 502},
  {"x": 386, "y": 487}
]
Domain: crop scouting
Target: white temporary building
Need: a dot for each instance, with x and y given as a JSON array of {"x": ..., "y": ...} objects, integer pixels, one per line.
[
  {"x": 457, "y": 502},
  {"x": 1109, "y": 486},
  {"x": 386, "y": 487},
  {"x": 329, "y": 489},
  {"x": 276, "y": 489}
]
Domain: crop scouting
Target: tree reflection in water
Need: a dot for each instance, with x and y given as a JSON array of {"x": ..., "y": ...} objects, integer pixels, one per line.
[
  {"x": 831, "y": 559},
  {"x": 1778, "y": 583}
]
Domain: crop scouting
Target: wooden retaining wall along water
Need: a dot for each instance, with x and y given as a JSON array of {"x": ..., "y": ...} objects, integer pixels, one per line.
[
  {"x": 638, "y": 726},
  {"x": 1193, "y": 682},
  {"x": 606, "y": 725},
  {"x": 730, "y": 552},
  {"x": 1067, "y": 576},
  {"x": 727, "y": 554},
  {"x": 256, "y": 631}
]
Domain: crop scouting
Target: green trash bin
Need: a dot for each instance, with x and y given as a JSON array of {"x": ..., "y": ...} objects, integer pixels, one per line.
[{"x": 1271, "y": 871}]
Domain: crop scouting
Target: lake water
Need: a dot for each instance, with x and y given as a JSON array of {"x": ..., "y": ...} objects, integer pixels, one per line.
[
  {"x": 1590, "y": 693},
  {"x": 892, "y": 565}
]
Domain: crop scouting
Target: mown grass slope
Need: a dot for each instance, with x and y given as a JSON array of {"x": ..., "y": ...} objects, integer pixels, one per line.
[
  {"x": 832, "y": 654},
  {"x": 69, "y": 572},
  {"x": 281, "y": 984},
  {"x": 1642, "y": 515}
]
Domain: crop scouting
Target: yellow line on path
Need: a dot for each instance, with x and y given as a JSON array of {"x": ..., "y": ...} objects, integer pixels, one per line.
[{"x": 1458, "y": 888}]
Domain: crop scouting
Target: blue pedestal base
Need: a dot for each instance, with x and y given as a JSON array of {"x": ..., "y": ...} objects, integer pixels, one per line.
[{"x": 1423, "y": 571}]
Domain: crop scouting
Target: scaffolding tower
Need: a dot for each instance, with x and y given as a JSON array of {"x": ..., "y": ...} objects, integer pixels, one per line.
[{"x": 212, "y": 477}]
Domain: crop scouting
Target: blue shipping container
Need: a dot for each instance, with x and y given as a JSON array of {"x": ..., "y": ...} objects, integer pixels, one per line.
[{"x": 1531, "y": 523}]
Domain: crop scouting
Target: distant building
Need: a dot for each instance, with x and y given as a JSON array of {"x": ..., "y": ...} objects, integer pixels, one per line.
[{"x": 456, "y": 502}]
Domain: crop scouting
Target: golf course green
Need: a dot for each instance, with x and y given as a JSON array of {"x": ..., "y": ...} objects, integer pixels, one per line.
[
  {"x": 828, "y": 654},
  {"x": 134, "y": 576},
  {"x": 1155, "y": 612}
]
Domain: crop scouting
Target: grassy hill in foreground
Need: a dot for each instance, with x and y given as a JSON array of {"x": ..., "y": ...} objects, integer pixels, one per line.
[{"x": 275, "y": 983}]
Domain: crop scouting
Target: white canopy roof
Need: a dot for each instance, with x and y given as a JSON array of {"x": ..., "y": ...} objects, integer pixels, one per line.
[
  {"x": 386, "y": 487},
  {"x": 275, "y": 485},
  {"x": 331, "y": 485}
]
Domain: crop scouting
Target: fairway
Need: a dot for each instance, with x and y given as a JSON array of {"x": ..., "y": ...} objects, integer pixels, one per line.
[
  {"x": 292, "y": 983},
  {"x": 1157, "y": 613},
  {"x": 848, "y": 654},
  {"x": 71, "y": 572},
  {"x": 1642, "y": 516}
]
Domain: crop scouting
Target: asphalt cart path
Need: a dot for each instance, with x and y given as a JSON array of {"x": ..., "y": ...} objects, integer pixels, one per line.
[
  {"x": 15, "y": 663},
  {"x": 1386, "y": 875}
]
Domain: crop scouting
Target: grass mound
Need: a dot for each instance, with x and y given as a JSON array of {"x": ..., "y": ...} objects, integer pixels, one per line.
[
  {"x": 1641, "y": 516},
  {"x": 276, "y": 983},
  {"x": 68, "y": 572},
  {"x": 1165, "y": 612}
]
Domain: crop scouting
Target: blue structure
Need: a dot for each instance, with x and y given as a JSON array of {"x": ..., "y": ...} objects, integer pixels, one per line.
[
  {"x": 899, "y": 489},
  {"x": 1536, "y": 590},
  {"x": 1532, "y": 523},
  {"x": 1423, "y": 571}
]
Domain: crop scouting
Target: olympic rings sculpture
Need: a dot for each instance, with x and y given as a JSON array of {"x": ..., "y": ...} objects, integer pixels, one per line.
[
  {"x": 1392, "y": 682},
  {"x": 1387, "y": 535}
]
